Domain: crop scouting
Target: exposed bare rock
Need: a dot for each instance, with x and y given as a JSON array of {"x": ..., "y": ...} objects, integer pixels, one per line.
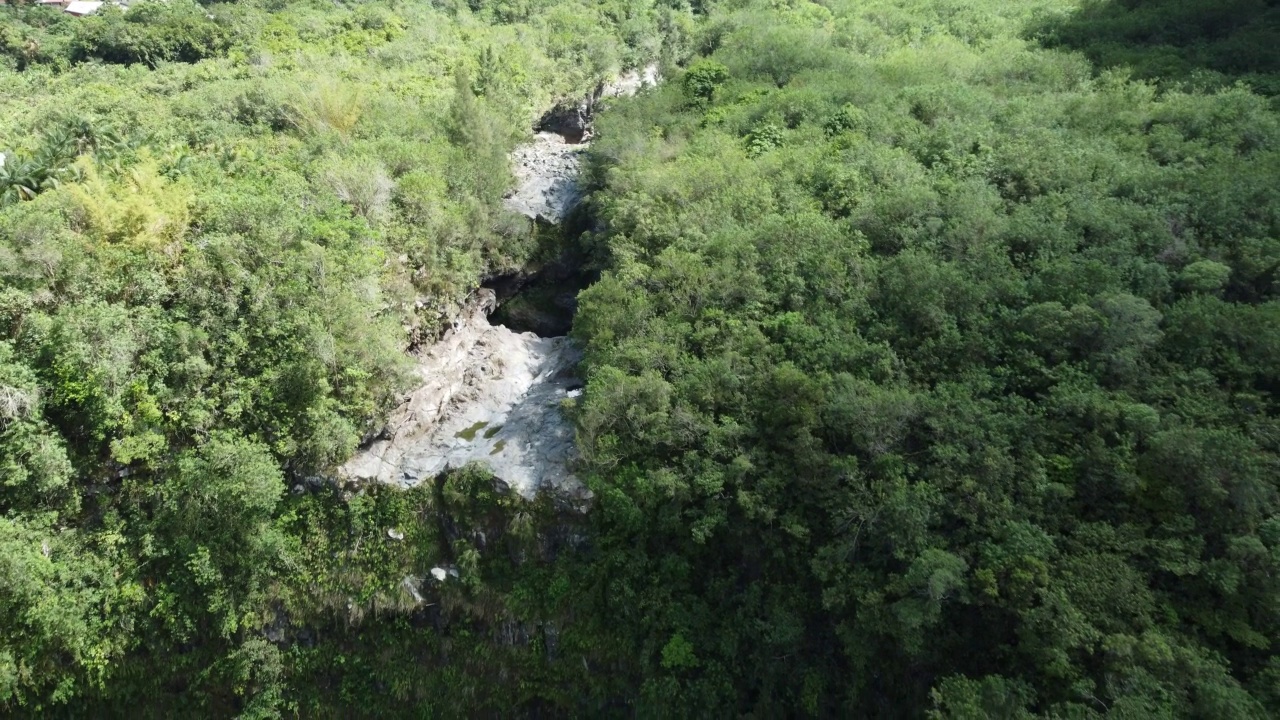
[
  {"x": 631, "y": 82},
  {"x": 413, "y": 586},
  {"x": 488, "y": 395},
  {"x": 546, "y": 169},
  {"x": 546, "y": 173}
]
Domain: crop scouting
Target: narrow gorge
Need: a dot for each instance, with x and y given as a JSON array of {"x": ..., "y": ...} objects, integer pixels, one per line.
[{"x": 489, "y": 393}]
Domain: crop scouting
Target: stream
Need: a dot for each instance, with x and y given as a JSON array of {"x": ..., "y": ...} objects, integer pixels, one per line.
[{"x": 488, "y": 392}]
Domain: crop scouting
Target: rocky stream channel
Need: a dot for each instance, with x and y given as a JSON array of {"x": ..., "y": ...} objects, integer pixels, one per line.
[{"x": 488, "y": 393}]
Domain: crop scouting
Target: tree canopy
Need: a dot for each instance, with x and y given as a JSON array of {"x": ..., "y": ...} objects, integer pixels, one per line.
[{"x": 931, "y": 369}]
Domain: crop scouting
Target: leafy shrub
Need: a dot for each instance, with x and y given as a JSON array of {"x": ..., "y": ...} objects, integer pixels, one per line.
[
  {"x": 150, "y": 33},
  {"x": 262, "y": 104},
  {"x": 362, "y": 183},
  {"x": 764, "y": 137},
  {"x": 703, "y": 78},
  {"x": 1204, "y": 276}
]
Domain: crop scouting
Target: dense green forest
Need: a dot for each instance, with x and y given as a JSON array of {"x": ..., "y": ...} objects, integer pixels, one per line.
[{"x": 931, "y": 367}]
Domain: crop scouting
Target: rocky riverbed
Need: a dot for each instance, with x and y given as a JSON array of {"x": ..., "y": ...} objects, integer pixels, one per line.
[
  {"x": 546, "y": 173},
  {"x": 489, "y": 394},
  {"x": 546, "y": 169}
]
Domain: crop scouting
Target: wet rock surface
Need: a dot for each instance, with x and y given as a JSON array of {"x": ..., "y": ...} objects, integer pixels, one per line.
[
  {"x": 490, "y": 395},
  {"x": 543, "y": 297}
]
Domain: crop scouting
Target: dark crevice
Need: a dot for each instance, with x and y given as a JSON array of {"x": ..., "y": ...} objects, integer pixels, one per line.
[
  {"x": 541, "y": 302},
  {"x": 571, "y": 119}
]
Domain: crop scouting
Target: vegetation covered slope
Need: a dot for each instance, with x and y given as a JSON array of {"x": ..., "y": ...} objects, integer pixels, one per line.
[
  {"x": 215, "y": 224},
  {"x": 931, "y": 370}
]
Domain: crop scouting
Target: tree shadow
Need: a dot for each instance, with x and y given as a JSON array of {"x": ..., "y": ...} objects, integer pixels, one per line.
[{"x": 1204, "y": 43}]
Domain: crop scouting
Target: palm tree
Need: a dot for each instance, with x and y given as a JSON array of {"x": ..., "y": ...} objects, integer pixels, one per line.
[{"x": 24, "y": 177}]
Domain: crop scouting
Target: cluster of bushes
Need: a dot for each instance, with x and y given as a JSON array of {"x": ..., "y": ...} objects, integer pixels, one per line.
[
  {"x": 216, "y": 224},
  {"x": 933, "y": 372},
  {"x": 148, "y": 33},
  {"x": 1199, "y": 42}
]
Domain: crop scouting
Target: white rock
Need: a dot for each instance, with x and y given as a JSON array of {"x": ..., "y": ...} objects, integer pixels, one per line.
[
  {"x": 395, "y": 534},
  {"x": 439, "y": 574},
  {"x": 487, "y": 395},
  {"x": 412, "y": 586}
]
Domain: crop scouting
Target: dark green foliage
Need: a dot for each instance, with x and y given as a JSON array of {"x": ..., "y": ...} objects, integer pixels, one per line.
[
  {"x": 150, "y": 33},
  {"x": 1204, "y": 42},
  {"x": 35, "y": 34},
  {"x": 22, "y": 177},
  {"x": 702, "y": 78},
  {"x": 931, "y": 371},
  {"x": 921, "y": 384}
]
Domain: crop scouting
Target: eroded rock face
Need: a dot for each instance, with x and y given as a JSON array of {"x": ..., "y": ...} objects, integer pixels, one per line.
[
  {"x": 570, "y": 120},
  {"x": 546, "y": 169},
  {"x": 488, "y": 395}
]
